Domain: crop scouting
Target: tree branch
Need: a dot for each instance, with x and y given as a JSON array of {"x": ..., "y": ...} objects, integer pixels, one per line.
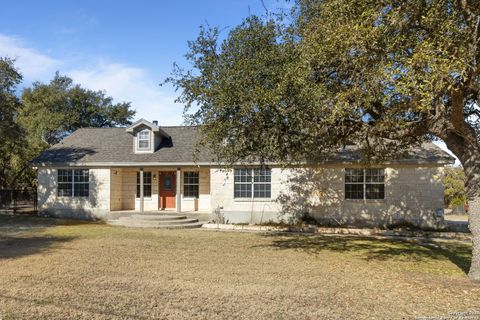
[{"x": 457, "y": 116}]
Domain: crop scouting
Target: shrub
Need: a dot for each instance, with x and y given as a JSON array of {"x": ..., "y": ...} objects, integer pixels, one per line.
[{"x": 454, "y": 187}]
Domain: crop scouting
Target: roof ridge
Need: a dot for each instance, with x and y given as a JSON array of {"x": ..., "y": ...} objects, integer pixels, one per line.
[
  {"x": 99, "y": 128},
  {"x": 186, "y": 126},
  {"x": 103, "y": 128}
]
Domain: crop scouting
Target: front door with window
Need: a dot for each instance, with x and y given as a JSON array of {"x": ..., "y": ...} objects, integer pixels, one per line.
[{"x": 166, "y": 190}]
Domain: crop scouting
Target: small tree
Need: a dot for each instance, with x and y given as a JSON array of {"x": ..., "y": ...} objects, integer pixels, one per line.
[{"x": 453, "y": 182}]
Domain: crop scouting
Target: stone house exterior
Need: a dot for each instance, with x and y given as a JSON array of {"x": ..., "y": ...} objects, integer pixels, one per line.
[{"x": 97, "y": 172}]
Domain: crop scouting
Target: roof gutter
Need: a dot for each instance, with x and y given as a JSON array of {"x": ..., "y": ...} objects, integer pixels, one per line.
[{"x": 439, "y": 162}]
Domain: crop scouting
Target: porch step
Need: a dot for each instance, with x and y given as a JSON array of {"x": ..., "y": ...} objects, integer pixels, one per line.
[
  {"x": 163, "y": 221},
  {"x": 156, "y": 217},
  {"x": 154, "y": 213},
  {"x": 138, "y": 224},
  {"x": 156, "y": 222}
]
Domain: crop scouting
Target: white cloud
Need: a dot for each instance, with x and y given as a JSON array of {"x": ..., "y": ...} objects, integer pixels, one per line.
[
  {"x": 126, "y": 83},
  {"x": 122, "y": 82},
  {"x": 31, "y": 63}
]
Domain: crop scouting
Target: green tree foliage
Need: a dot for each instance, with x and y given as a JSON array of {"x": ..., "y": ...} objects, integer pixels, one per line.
[
  {"x": 11, "y": 135},
  {"x": 384, "y": 75},
  {"x": 51, "y": 111},
  {"x": 249, "y": 102},
  {"x": 43, "y": 115},
  {"x": 453, "y": 182}
]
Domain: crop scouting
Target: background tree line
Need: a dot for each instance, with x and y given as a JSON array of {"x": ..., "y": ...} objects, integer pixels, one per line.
[
  {"x": 454, "y": 191},
  {"x": 42, "y": 114}
]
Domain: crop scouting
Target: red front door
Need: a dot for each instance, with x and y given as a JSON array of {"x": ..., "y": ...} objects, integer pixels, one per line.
[{"x": 166, "y": 190}]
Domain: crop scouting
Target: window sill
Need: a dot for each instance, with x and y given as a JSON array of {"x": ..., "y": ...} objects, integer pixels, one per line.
[
  {"x": 190, "y": 198},
  {"x": 144, "y": 199},
  {"x": 252, "y": 199},
  {"x": 366, "y": 200},
  {"x": 72, "y": 197}
]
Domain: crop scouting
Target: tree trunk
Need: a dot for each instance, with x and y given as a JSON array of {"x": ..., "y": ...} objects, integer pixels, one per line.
[
  {"x": 474, "y": 225},
  {"x": 471, "y": 166},
  {"x": 468, "y": 152}
]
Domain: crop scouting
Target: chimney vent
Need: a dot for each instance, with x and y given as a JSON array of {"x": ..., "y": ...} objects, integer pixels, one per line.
[{"x": 155, "y": 122}]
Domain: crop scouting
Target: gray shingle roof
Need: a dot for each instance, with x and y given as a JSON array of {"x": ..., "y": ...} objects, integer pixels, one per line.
[
  {"x": 426, "y": 153},
  {"x": 113, "y": 146}
]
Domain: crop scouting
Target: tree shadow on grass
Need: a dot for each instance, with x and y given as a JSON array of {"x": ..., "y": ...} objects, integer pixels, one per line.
[
  {"x": 21, "y": 235},
  {"x": 18, "y": 245},
  {"x": 377, "y": 249},
  {"x": 26, "y": 221}
]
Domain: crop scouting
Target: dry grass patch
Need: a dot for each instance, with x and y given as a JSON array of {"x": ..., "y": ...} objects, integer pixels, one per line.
[{"x": 96, "y": 271}]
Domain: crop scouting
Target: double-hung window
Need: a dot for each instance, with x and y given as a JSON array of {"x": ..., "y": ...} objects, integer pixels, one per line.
[
  {"x": 190, "y": 184},
  {"x": 147, "y": 184},
  {"x": 252, "y": 183},
  {"x": 365, "y": 183},
  {"x": 73, "y": 183},
  {"x": 144, "y": 140}
]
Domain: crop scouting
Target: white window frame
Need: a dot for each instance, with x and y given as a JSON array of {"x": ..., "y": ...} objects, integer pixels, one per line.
[
  {"x": 73, "y": 183},
  {"x": 364, "y": 183},
  {"x": 187, "y": 181},
  {"x": 252, "y": 183},
  {"x": 137, "y": 184},
  {"x": 148, "y": 139}
]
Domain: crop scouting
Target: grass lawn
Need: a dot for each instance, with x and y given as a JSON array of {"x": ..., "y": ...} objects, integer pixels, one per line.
[{"x": 55, "y": 269}]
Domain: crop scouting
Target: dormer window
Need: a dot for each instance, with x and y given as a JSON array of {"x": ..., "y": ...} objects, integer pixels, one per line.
[
  {"x": 146, "y": 136},
  {"x": 144, "y": 140}
]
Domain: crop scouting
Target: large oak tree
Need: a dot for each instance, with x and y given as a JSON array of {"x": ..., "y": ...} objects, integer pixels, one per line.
[
  {"x": 42, "y": 116},
  {"x": 381, "y": 74},
  {"x": 11, "y": 134},
  {"x": 51, "y": 111}
]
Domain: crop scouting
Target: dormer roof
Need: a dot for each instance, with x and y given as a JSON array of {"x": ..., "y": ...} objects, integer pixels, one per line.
[{"x": 144, "y": 123}]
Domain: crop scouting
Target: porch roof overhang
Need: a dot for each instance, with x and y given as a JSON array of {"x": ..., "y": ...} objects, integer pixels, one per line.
[
  {"x": 409, "y": 162},
  {"x": 124, "y": 164}
]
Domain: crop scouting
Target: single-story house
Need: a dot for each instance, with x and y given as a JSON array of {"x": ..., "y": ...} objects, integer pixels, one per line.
[{"x": 95, "y": 172}]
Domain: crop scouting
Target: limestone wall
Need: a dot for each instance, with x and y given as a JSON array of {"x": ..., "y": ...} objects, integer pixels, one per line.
[
  {"x": 412, "y": 195},
  {"x": 96, "y": 205}
]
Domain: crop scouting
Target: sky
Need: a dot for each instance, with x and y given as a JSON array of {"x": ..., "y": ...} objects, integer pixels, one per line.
[{"x": 126, "y": 48}]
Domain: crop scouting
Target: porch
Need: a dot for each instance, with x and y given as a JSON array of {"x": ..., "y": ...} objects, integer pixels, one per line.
[
  {"x": 157, "y": 219},
  {"x": 159, "y": 190}
]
